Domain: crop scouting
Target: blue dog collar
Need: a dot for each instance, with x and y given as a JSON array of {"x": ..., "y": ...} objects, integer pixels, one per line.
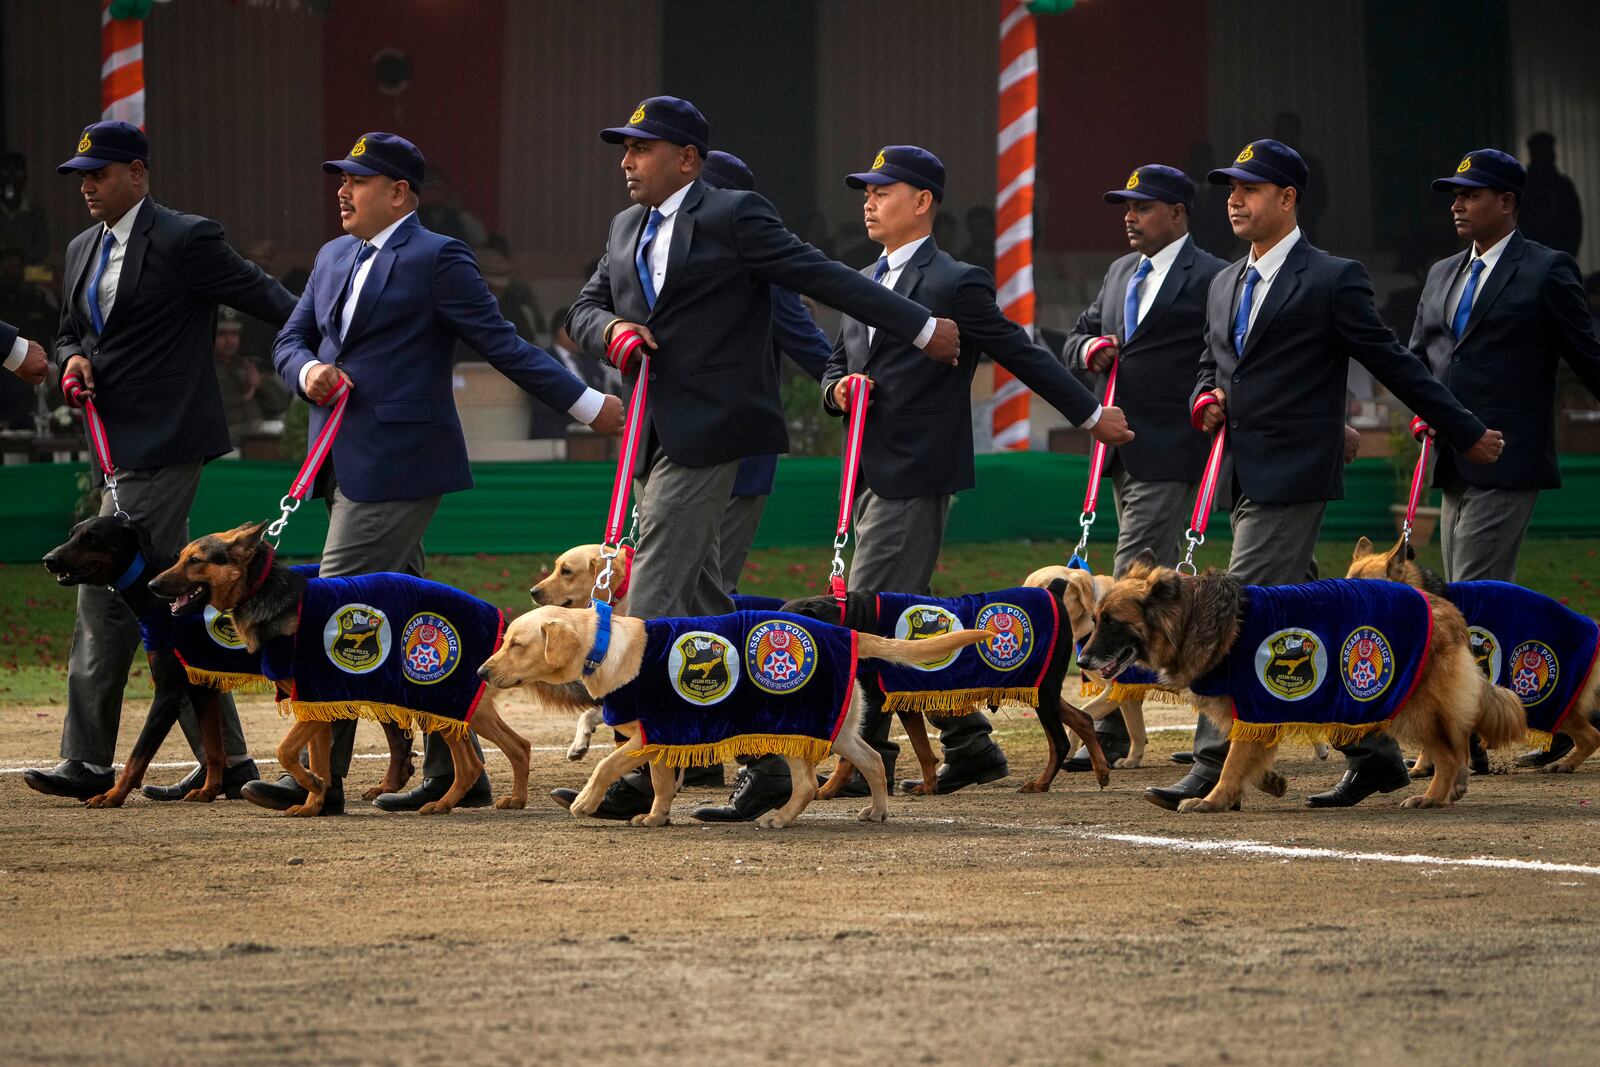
[
  {"x": 131, "y": 575},
  {"x": 602, "y": 638}
]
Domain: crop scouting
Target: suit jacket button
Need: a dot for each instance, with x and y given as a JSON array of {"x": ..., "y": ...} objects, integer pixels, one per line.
[
  {"x": 652, "y": 376},
  {"x": 1233, "y": 424},
  {"x": 338, "y": 361},
  {"x": 1235, "y": 377}
]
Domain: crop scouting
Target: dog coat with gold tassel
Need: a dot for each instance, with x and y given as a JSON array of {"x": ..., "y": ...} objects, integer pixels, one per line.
[
  {"x": 208, "y": 646},
  {"x": 1530, "y": 644},
  {"x": 1007, "y": 669},
  {"x": 387, "y": 647},
  {"x": 1327, "y": 661},
  {"x": 746, "y": 684}
]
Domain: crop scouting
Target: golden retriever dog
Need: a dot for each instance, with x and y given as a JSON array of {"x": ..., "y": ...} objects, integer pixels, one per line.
[
  {"x": 1399, "y": 564},
  {"x": 547, "y": 646},
  {"x": 569, "y": 585},
  {"x": 1183, "y": 627}
]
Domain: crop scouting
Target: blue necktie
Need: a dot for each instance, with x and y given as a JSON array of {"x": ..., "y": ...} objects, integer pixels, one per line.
[
  {"x": 1241, "y": 320},
  {"x": 641, "y": 258},
  {"x": 1458, "y": 325},
  {"x": 365, "y": 253},
  {"x": 106, "y": 244},
  {"x": 881, "y": 269},
  {"x": 1130, "y": 306}
]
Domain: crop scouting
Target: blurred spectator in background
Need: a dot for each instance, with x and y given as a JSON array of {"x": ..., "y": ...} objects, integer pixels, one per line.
[
  {"x": 1208, "y": 222},
  {"x": 980, "y": 239},
  {"x": 518, "y": 302},
  {"x": 23, "y": 306},
  {"x": 548, "y": 423},
  {"x": 1550, "y": 212},
  {"x": 441, "y": 210},
  {"x": 1286, "y": 127},
  {"x": 250, "y": 396},
  {"x": 23, "y": 225}
]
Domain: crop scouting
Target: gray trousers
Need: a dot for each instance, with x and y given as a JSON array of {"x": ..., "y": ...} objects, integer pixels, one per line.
[
  {"x": 365, "y": 537},
  {"x": 738, "y": 533},
  {"x": 1481, "y": 532},
  {"x": 1275, "y": 544},
  {"x": 677, "y": 569},
  {"x": 1151, "y": 515},
  {"x": 106, "y": 635}
]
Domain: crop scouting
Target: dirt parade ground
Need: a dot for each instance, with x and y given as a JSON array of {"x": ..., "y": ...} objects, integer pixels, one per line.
[{"x": 986, "y": 927}]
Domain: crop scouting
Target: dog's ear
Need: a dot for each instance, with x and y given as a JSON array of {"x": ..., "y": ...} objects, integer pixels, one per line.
[
  {"x": 1363, "y": 550},
  {"x": 1411, "y": 553},
  {"x": 249, "y": 533},
  {"x": 1165, "y": 590},
  {"x": 562, "y": 644},
  {"x": 1142, "y": 565}
]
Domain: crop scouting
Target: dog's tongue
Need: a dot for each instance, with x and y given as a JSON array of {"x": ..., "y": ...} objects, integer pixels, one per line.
[{"x": 185, "y": 600}]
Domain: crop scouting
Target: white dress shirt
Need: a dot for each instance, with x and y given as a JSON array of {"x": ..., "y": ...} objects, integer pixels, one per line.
[
  {"x": 1490, "y": 257},
  {"x": 1160, "y": 266},
  {"x": 1267, "y": 266},
  {"x": 584, "y": 409},
  {"x": 897, "y": 264},
  {"x": 18, "y": 353},
  {"x": 661, "y": 245},
  {"x": 107, "y": 293}
]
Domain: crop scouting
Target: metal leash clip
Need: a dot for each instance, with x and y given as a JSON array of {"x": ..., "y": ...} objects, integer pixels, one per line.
[{"x": 602, "y": 581}]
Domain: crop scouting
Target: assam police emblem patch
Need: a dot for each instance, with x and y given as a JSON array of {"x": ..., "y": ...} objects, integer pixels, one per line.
[
  {"x": 430, "y": 648},
  {"x": 922, "y": 621},
  {"x": 1246, "y": 154},
  {"x": 780, "y": 656},
  {"x": 1133, "y": 181},
  {"x": 1534, "y": 672},
  {"x": 1011, "y": 640},
  {"x": 702, "y": 667},
  {"x": 357, "y": 638},
  {"x": 83, "y": 142},
  {"x": 637, "y": 116},
  {"x": 220, "y": 628},
  {"x": 1291, "y": 664},
  {"x": 1486, "y": 652},
  {"x": 1366, "y": 663},
  {"x": 1465, "y": 164}
]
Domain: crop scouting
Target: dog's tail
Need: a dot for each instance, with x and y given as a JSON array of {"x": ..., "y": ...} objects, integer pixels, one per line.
[
  {"x": 926, "y": 650},
  {"x": 1501, "y": 719}
]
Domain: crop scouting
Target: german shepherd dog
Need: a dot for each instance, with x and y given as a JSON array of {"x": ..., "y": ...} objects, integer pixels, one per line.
[
  {"x": 861, "y": 614},
  {"x": 235, "y": 572},
  {"x": 547, "y": 646},
  {"x": 99, "y": 551},
  {"x": 1399, "y": 564},
  {"x": 1183, "y": 627}
]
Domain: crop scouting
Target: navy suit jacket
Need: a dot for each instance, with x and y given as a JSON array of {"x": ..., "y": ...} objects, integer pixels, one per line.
[
  {"x": 918, "y": 439},
  {"x": 155, "y": 374},
  {"x": 401, "y": 437},
  {"x": 8, "y": 337},
  {"x": 793, "y": 332},
  {"x": 1286, "y": 394},
  {"x": 714, "y": 386},
  {"x": 1156, "y": 368},
  {"x": 1531, "y": 313}
]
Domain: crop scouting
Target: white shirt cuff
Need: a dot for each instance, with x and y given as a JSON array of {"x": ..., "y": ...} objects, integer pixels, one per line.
[
  {"x": 927, "y": 332},
  {"x": 1088, "y": 424},
  {"x": 305, "y": 372},
  {"x": 587, "y": 407},
  {"x": 19, "y": 352}
]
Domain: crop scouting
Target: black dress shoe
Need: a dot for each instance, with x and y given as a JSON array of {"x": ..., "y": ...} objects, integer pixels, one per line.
[
  {"x": 962, "y": 773},
  {"x": 622, "y": 800},
  {"x": 285, "y": 793},
  {"x": 704, "y": 776},
  {"x": 1191, "y": 786},
  {"x": 753, "y": 795},
  {"x": 70, "y": 778},
  {"x": 432, "y": 789},
  {"x": 1560, "y": 745},
  {"x": 1358, "y": 785},
  {"x": 856, "y": 785},
  {"x": 1182, "y": 759},
  {"x": 233, "y": 782}
]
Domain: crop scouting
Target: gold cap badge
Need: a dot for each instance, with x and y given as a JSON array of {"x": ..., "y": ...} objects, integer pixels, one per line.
[
  {"x": 877, "y": 164},
  {"x": 1246, "y": 155},
  {"x": 637, "y": 116},
  {"x": 84, "y": 145},
  {"x": 1133, "y": 181},
  {"x": 1461, "y": 168},
  {"x": 360, "y": 148}
]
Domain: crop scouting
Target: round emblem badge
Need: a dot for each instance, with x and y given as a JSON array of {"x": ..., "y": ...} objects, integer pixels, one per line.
[
  {"x": 430, "y": 648},
  {"x": 1465, "y": 165},
  {"x": 1291, "y": 664},
  {"x": 1486, "y": 652},
  {"x": 1534, "y": 672},
  {"x": 359, "y": 148},
  {"x": 1367, "y": 662},
  {"x": 1246, "y": 154},
  {"x": 1012, "y": 640},
  {"x": 780, "y": 656},
  {"x": 357, "y": 638},
  {"x": 702, "y": 667},
  {"x": 1133, "y": 181},
  {"x": 637, "y": 116},
  {"x": 922, "y": 621},
  {"x": 220, "y": 628}
]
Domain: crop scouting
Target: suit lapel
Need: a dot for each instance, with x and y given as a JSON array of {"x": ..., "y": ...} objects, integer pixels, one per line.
[
  {"x": 1177, "y": 277},
  {"x": 78, "y": 271},
  {"x": 1283, "y": 286},
  {"x": 1447, "y": 313},
  {"x": 682, "y": 234},
  {"x": 1113, "y": 320},
  {"x": 910, "y": 275},
  {"x": 1220, "y": 306},
  {"x": 1504, "y": 268},
  {"x": 133, "y": 260},
  {"x": 371, "y": 289},
  {"x": 337, "y": 278}
]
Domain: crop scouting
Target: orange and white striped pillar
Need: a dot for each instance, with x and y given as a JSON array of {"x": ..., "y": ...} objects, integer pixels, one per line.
[
  {"x": 1013, "y": 208},
  {"x": 121, "y": 67}
]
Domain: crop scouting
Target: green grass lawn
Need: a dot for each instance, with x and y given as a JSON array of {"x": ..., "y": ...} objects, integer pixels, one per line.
[{"x": 36, "y": 617}]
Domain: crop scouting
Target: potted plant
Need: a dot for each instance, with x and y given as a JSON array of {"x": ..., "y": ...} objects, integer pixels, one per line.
[{"x": 1403, "y": 450}]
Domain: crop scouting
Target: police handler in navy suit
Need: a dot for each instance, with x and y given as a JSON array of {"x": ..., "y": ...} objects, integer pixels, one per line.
[
  {"x": 691, "y": 268},
  {"x": 383, "y": 310},
  {"x": 917, "y": 450},
  {"x": 1281, "y": 326},
  {"x": 1149, "y": 317},
  {"x": 1492, "y": 322},
  {"x": 138, "y": 324}
]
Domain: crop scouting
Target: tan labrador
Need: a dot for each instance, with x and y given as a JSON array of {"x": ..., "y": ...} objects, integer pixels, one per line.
[{"x": 569, "y": 585}]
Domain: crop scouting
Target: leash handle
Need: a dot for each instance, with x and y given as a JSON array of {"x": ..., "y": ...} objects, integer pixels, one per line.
[
  {"x": 78, "y": 395},
  {"x": 316, "y": 455},
  {"x": 1196, "y": 535},
  {"x": 1097, "y": 466},
  {"x": 623, "y": 347},
  {"x": 1418, "y": 477},
  {"x": 858, "y": 393}
]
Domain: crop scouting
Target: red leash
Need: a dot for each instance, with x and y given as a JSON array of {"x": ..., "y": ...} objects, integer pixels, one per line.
[
  {"x": 316, "y": 455},
  {"x": 1097, "y": 466},
  {"x": 77, "y": 395},
  {"x": 623, "y": 347},
  {"x": 858, "y": 392},
  {"x": 1420, "y": 430},
  {"x": 1203, "y": 501}
]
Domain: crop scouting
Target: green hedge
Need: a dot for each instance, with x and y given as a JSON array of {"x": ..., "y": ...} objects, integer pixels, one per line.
[{"x": 545, "y": 507}]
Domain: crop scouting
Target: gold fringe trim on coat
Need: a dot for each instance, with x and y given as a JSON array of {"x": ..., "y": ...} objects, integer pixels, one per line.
[
  {"x": 1326, "y": 733},
  {"x": 228, "y": 682},
  {"x": 959, "y": 701},
  {"x": 1539, "y": 739},
  {"x": 814, "y": 749},
  {"x": 405, "y": 718},
  {"x": 1120, "y": 692}
]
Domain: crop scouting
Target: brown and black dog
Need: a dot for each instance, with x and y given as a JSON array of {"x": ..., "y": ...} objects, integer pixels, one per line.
[
  {"x": 1399, "y": 564},
  {"x": 236, "y": 571},
  {"x": 1184, "y": 626}
]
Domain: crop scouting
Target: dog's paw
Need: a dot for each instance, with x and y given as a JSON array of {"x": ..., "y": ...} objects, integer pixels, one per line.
[
  {"x": 1127, "y": 763},
  {"x": 577, "y": 752},
  {"x": 922, "y": 789},
  {"x": 375, "y": 792},
  {"x": 199, "y": 796},
  {"x": 772, "y": 821},
  {"x": 1274, "y": 784},
  {"x": 1321, "y": 750},
  {"x": 1035, "y": 787},
  {"x": 1421, "y": 770},
  {"x": 1423, "y": 801},
  {"x": 1197, "y": 806},
  {"x": 650, "y": 820},
  {"x": 104, "y": 800},
  {"x": 870, "y": 814},
  {"x": 507, "y": 803},
  {"x": 1559, "y": 767},
  {"x": 437, "y": 807},
  {"x": 301, "y": 811}
]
